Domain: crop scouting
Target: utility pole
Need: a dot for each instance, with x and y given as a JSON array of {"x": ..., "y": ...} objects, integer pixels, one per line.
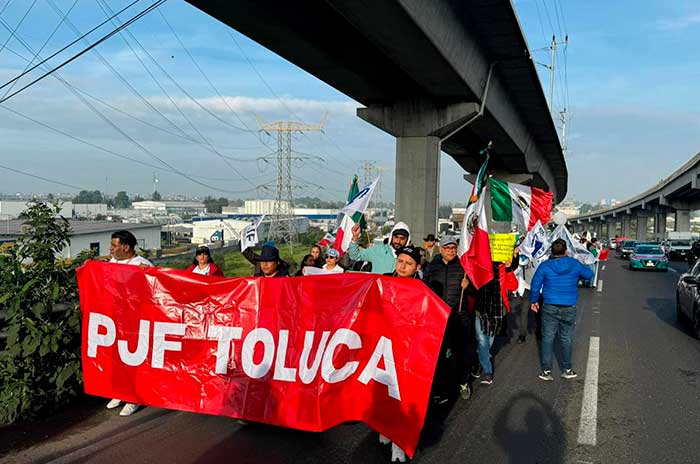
[
  {"x": 553, "y": 48},
  {"x": 564, "y": 120},
  {"x": 282, "y": 225},
  {"x": 155, "y": 184}
]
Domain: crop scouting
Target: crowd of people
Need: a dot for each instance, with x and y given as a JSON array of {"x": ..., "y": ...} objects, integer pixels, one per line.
[{"x": 477, "y": 316}]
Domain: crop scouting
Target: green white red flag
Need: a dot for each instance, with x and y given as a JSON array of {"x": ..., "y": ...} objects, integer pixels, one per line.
[
  {"x": 519, "y": 204},
  {"x": 474, "y": 249}
]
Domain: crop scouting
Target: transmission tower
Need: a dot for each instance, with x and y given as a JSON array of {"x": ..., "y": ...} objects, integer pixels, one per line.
[
  {"x": 371, "y": 171},
  {"x": 282, "y": 225}
]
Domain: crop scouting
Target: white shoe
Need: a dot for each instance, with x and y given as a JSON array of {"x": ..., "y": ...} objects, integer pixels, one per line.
[
  {"x": 114, "y": 403},
  {"x": 384, "y": 440},
  {"x": 129, "y": 409},
  {"x": 241, "y": 422},
  {"x": 397, "y": 454}
]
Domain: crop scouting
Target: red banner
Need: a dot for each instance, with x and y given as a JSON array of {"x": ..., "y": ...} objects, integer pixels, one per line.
[{"x": 307, "y": 353}]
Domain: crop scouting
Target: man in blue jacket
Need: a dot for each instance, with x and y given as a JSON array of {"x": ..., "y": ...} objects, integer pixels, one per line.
[{"x": 557, "y": 279}]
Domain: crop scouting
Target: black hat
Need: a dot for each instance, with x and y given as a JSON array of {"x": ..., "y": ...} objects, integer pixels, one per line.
[
  {"x": 413, "y": 252},
  {"x": 268, "y": 254},
  {"x": 429, "y": 238},
  {"x": 202, "y": 249}
]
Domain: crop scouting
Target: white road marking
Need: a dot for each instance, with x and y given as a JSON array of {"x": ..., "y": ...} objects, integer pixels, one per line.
[
  {"x": 603, "y": 266},
  {"x": 600, "y": 285},
  {"x": 587, "y": 429},
  {"x": 673, "y": 270}
]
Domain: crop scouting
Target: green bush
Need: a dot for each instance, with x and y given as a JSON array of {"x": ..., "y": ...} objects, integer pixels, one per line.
[{"x": 40, "y": 364}]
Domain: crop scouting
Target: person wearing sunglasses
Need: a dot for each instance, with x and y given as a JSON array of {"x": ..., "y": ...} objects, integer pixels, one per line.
[
  {"x": 203, "y": 263},
  {"x": 332, "y": 266}
]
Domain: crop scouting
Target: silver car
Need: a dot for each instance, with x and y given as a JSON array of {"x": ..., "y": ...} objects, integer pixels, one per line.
[{"x": 688, "y": 299}]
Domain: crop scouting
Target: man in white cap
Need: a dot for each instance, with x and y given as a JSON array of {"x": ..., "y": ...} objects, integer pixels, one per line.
[{"x": 382, "y": 257}]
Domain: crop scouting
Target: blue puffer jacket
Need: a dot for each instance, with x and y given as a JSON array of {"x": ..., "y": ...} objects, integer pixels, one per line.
[{"x": 558, "y": 279}]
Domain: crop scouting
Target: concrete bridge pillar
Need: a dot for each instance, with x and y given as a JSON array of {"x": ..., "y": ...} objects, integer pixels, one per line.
[
  {"x": 419, "y": 126},
  {"x": 660, "y": 225},
  {"x": 682, "y": 220},
  {"x": 642, "y": 224},
  {"x": 625, "y": 227}
]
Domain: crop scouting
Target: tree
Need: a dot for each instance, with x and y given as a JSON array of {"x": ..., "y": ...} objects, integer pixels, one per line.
[
  {"x": 90, "y": 197},
  {"x": 138, "y": 198},
  {"x": 122, "y": 200},
  {"x": 444, "y": 211},
  {"x": 40, "y": 366},
  {"x": 585, "y": 208},
  {"x": 214, "y": 205},
  {"x": 156, "y": 196}
]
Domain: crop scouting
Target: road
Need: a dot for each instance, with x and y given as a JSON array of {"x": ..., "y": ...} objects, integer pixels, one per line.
[{"x": 644, "y": 407}]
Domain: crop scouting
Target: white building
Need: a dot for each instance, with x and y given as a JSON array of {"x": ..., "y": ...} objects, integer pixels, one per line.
[
  {"x": 209, "y": 230},
  {"x": 11, "y": 209},
  {"x": 181, "y": 208},
  {"x": 95, "y": 235},
  {"x": 262, "y": 206},
  {"x": 88, "y": 210}
]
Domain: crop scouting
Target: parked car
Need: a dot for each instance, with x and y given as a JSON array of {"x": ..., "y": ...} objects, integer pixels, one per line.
[
  {"x": 688, "y": 299},
  {"x": 611, "y": 244},
  {"x": 648, "y": 257},
  {"x": 679, "y": 249},
  {"x": 627, "y": 248}
]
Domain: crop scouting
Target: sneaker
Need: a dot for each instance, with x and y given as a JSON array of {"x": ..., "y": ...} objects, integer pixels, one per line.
[
  {"x": 487, "y": 380},
  {"x": 546, "y": 376},
  {"x": 384, "y": 440},
  {"x": 476, "y": 372},
  {"x": 522, "y": 339},
  {"x": 569, "y": 374},
  {"x": 465, "y": 391},
  {"x": 114, "y": 403},
  {"x": 129, "y": 409},
  {"x": 397, "y": 454},
  {"x": 241, "y": 422}
]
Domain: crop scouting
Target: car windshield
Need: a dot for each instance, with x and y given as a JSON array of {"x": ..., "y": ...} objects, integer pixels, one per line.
[
  {"x": 680, "y": 243},
  {"x": 629, "y": 244},
  {"x": 648, "y": 250}
]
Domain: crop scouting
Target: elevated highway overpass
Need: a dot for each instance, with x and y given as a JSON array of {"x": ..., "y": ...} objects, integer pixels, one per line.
[
  {"x": 439, "y": 75},
  {"x": 677, "y": 194}
]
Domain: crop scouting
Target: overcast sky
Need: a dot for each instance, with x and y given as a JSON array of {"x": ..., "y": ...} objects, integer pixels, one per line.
[{"x": 628, "y": 78}]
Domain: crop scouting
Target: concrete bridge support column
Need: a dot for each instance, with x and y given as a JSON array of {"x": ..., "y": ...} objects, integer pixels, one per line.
[
  {"x": 682, "y": 220},
  {"x": 642, "y": 223},
  {"x": 626, "y": 228},
  {"x": 419, "y": 126},
  {"x": 660, "y": 225}
]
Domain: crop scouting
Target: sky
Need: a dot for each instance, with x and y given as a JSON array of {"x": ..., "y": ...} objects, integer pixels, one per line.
[{"x": 191, "y": 115}]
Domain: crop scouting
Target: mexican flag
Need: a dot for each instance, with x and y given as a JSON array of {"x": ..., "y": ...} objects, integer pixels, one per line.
[
  {"x": 474, "y": 249},
  {"x": 519, "y": 204},
  {"x": 480, "y": 175},
  {"x": 346, "y": 218}
]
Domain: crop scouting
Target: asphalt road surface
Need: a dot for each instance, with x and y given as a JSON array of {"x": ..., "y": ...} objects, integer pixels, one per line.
[{"x": 636, "y": 400}]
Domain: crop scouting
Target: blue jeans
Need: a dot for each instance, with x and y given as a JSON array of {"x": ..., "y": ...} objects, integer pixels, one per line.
[
  {"x": 561, "y": 320},
  {"x": 484, "y": 348}
]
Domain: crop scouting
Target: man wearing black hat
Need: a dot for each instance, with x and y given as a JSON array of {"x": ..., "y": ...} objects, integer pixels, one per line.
[
  {"x": 445, "y": 276},
  {"x": 431, "y": 248},
  {"x": 270, "y": 263}
]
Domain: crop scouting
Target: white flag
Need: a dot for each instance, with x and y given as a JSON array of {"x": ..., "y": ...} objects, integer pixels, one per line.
[
  {"x": 574, "y": 248},
  {"x": 249, "y": 234},
  {"x": 536, "y": 244}
]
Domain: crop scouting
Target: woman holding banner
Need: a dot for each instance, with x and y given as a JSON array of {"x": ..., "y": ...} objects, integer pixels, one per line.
[{"x": 203, "y": 263}]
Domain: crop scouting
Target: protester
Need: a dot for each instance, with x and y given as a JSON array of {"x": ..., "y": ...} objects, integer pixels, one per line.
[
  {"x": 446, "y": 277},
  {"x": 309, "y": 261},
  {"x": 407, "y": 265},
  {"x": 317, "y": 253},
  {"x": 122, "y": 250},
  {"x": 250, "y": 255},
  {"x": 270, "y": 263},
  {"x": 521, "y": 299},
  {"x": 490, "y": 308},
  {"x": 332, "y": 266},
  {"x": 557, "y": 279},
  {"x": 203, "y": 263},
  {"x": 383, "y": 257},
  {"x": 431, "y": 249}
]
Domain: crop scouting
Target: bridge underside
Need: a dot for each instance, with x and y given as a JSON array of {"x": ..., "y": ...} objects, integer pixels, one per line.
[{"x": 421, "y": 70}]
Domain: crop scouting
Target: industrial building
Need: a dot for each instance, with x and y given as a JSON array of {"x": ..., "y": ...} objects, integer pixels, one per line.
[
  {"x": 95, "y": 235},
  {"x": 11, "y": 209}
]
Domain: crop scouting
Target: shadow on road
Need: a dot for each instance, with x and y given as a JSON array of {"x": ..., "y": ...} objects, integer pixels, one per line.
[
  {"x": 665, "y": 310},
  {"x": 542, "y": 439}
]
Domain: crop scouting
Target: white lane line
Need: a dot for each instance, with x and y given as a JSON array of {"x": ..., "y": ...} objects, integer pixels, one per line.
[
  {"x": 589, "y": 406},
  {"x": 600, "y": 285},
  {"x": 673, "y": 270},
  {"x": 603, "y": 266}
]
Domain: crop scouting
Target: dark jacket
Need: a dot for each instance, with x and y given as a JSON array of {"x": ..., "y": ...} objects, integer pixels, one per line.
[
  {"x": 558, "y": 278},
  {"x": 445, "y": 280}
]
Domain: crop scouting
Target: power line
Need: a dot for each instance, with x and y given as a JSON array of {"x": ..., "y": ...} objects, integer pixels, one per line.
[
  {"x": 81, "y": 53},
  {"x": 18, "y": 25},
  {"x": 45, "y": 179},
  {"x": 26, "y": 71},
  {"x": 48, "y": 39}
]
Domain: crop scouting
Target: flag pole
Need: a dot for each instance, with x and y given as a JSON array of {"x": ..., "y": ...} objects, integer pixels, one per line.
[{"x": 461, "y": 296}]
